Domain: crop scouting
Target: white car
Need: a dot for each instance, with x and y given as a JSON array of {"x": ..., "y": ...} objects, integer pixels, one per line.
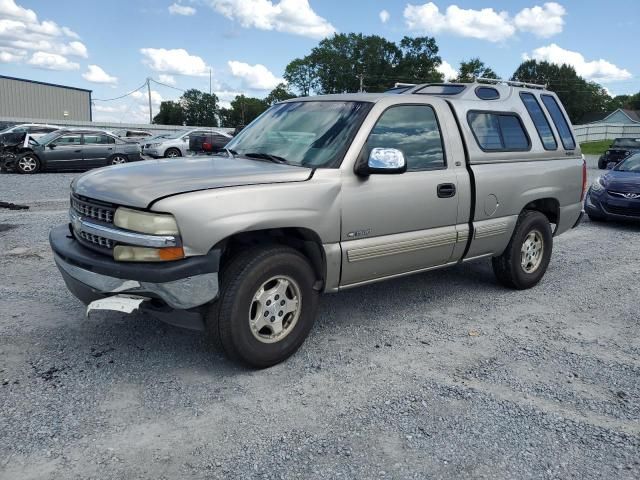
[
  {"x": 177, "y": 143},
  {"x": 35, "y": 130}
]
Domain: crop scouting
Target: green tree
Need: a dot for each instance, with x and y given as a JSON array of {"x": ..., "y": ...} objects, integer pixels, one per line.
[
  {"x": 243, "y": 111},
  {"x": 419, "y": 61},
  {"x": 200, "y": 108},
  {"x": 301, "y": 74},
  {"x": 279, "y": 94},
  {"x": 577, "y": 94},
  {"x": 170, "y": 113},
  {"x": 472, "y": 69}
]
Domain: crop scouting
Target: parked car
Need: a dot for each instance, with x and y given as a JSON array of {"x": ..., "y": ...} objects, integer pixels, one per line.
[
  {"x": 35, "y": 130},
  {"x": 175, "y": 145},
  {"x": 208, "y": 143},
  {"x": 322, "y": 194},
  {"x": 616, "y": 194},
  {"x": 72, "y": 149},
  {"x": 138, "y": 136},
  {"x": 620, "y": 149}
]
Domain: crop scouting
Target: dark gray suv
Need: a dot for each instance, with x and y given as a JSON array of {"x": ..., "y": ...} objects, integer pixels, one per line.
[{"x": 73, "y": 149}]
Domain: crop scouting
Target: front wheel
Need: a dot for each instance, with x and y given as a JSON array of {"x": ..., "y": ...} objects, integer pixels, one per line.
[
  {"x": 172, "y": 153},
  {"x": 525, "y": 260},
  {"x": 267, "y": 306},
  {"x": 28, "y": 163}
]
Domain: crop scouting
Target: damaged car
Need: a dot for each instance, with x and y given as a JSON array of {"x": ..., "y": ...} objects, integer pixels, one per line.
[{"x": 70, "y": 149}]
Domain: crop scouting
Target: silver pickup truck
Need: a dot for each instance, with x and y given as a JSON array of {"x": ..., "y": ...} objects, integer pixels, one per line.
[{"x": 321, "y": 194}]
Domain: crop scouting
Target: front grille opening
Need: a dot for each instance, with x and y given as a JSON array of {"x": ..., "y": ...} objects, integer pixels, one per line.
[{"x": 93, "y": 210}]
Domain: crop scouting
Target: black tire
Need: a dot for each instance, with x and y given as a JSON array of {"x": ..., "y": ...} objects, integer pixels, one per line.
[
  {"x": 172, "y": 153},
  {"x": 118, "y": 159},
  {"x": 27, "y": 163},
  {"x": 509, "y": 268},
  {"x": 602, "y": 164},
  {"x": 228, "y": 319}
]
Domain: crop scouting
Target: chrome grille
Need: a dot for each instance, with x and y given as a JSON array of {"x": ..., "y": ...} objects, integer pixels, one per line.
[
  {"x": 92, "y": 210},
  {"x": 96, "y": 240}
]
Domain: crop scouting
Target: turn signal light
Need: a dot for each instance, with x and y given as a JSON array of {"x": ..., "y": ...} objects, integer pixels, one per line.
[{"x": 126, "y": 253}]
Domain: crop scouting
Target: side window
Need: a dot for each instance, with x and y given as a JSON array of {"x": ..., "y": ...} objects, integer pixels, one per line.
[
  {"x": 560, "y": 122},
  {"x": 71, "y": 139},
  {"x": 539, "y": 120},
  {"x": 98, "y": 139},
  {"x": 414, "y": 130},
  {"x": 498, "y": 132}
]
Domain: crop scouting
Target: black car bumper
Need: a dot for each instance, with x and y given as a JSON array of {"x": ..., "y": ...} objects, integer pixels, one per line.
[
  {"x": 623, "y": 210},
  {"x": 89, "y": 275}
]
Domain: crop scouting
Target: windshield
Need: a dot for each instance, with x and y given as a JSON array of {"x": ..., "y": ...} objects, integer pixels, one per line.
[
  {"x": 174, "y": 135},
  {"x": 626, "y": 142},
  {"x": 7, "y": 129},
  {"x": 43, "y": 140},
  {"x": 631, "y": 164},
  {"x": 312, "y": 134}
]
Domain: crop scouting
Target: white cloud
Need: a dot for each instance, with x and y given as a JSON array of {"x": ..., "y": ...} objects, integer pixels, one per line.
[
  {"x": 291, "y": 16},
  {"x": 177, "y": 9},
  {"x": 22, "y": 33},
  {"x": 596, "y": 70},
  {"x": 142, "y": 98},
  {"x": 9, "y": 57},
  {"x": 544, "y": 21},
  {"x": 485, "y": 24},
  {"x": 96, "y": 74},
  {"x": 447, "y": 70},
  {"x": 257, "y": 76},
  {"x": 174, "y": 61},
  {"x": 9, "y": 9},
  {"x": 52, "y": 61},
  {"x": 384, "y": 16},
  {"x": 168, "y": 79}
]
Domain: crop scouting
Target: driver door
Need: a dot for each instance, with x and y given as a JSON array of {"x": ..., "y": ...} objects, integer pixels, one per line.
[
  {"x": 65, "y": 151},
  {"x": 398, "y": 223}
]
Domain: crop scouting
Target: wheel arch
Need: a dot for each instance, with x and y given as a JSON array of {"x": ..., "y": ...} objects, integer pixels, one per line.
[
  {"x": 304, "y": 240},
  {"x": 548, "y": 206}
]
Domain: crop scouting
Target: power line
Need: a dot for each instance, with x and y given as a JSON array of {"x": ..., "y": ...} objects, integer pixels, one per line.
[
  {"x": 165, "y": 85},
  {"x": 121, "y": 96}
]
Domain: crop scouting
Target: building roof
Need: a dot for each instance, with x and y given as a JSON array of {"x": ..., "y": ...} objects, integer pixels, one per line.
[
  {"x": 632, "y": 114},
  {"x": 45, "y": 83},
  {"x": 600, "y": 117}
]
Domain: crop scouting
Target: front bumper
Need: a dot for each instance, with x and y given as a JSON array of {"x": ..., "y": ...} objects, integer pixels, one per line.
[
  {"x": 89, "y": 276},
  {"x": 153, "y": 152},
  {"x": 593, "y": 206}
]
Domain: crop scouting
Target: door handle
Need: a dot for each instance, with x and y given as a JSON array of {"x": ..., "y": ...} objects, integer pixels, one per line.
[
  {"x": 77, "y": 151},
  {"x": 109, "y": 148},
  {"x": 446, "y": 190}
]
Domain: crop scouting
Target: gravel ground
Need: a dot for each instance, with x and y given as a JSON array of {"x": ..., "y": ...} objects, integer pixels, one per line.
[{"x": 439, "y": 375}]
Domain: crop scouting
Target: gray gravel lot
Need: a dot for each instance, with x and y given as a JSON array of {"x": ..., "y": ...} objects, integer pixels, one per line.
[{"x": 440, "y": 375}]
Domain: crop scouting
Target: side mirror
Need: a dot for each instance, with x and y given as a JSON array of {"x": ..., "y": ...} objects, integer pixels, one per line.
[
  {"x": 52, "y": 146},
  {"x": 383, "y": 160}
]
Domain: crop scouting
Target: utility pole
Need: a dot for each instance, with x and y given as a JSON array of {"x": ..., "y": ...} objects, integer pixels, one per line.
[
  {"x": 209, "y": 81},
  {"x": 149, "y": 92},
  {"x": 361, "y": 76}
]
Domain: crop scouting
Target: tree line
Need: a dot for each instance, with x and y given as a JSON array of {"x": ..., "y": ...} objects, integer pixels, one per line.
[{"x": 355, "y": 62}]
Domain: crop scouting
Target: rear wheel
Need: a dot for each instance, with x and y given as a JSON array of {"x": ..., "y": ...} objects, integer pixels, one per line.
[
  {"x": 526, "y": 258},
  {"x": 28, "y": 163},
  {"x": 267, "y": 306},
  {"x": 602, "y": 164},
  {"x": 117, "y": 160},
  {"x": 172, "y": 153}
]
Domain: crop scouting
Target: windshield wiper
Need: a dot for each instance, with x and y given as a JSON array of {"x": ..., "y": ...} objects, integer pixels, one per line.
[
  {"x": 231, "y": 153},
  {"x": 266, "y": 156}
]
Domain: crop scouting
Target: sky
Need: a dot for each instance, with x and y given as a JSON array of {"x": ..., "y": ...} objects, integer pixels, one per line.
[{"x": 111, "y": 47}]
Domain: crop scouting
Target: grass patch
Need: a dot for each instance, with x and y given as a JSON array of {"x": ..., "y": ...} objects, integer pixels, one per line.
[{"x": 595, "y": 148}]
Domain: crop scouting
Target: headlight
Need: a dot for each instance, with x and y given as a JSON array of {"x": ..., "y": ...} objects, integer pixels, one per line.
[
  {"x": 153, "y": 145},
  {"x": 596, "y": 186},
  {"x": 145, "y": 222}
]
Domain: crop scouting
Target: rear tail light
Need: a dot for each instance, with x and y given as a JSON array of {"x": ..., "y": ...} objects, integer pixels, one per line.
[
  {"x": 207, "y": 147},
  {"x": 584, "y": 178}
]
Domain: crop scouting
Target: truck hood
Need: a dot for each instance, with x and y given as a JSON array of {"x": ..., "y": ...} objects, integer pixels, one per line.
[{"x": 141, "y": 183}]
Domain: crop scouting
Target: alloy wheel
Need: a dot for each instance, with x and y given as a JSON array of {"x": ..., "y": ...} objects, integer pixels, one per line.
[
  {"x": 275, "y": 309},
  {"x": 532, "y": 251}
]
